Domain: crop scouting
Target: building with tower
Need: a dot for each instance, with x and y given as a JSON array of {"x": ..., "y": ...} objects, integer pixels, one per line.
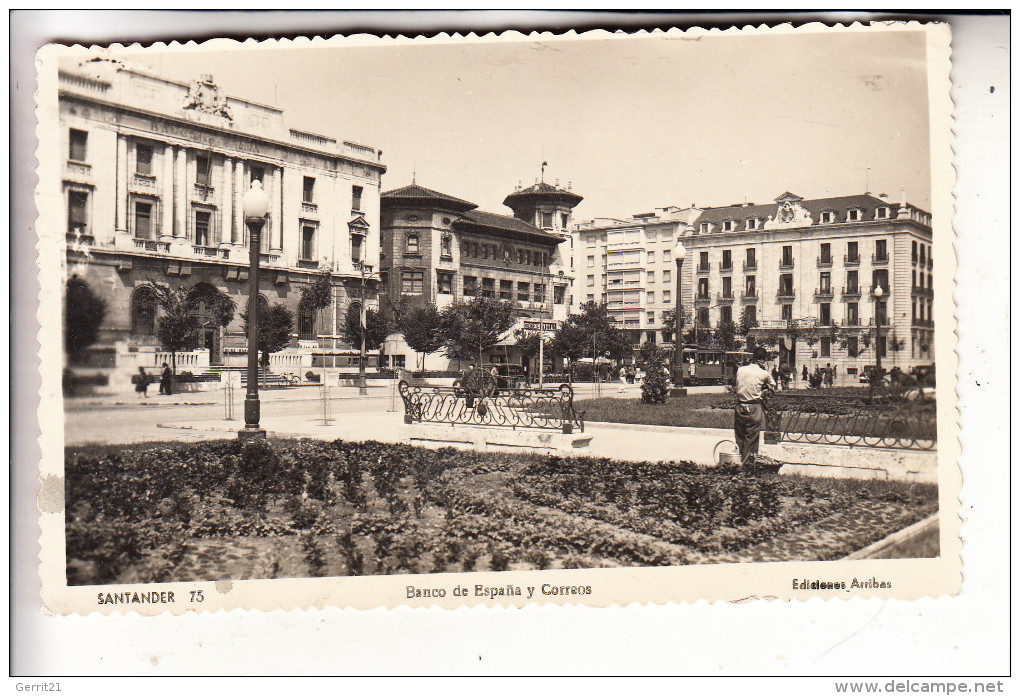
[
  {"x": 152, "y": 175},
  {"x": 440, "y": 249}
]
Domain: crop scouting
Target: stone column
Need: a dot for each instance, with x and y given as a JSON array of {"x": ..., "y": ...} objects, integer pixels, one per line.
[
  {"x": 237, "y": 230},
  {"x": 274, "y": 179},
  {"x": 167, "y": 201},
  {"x": 226, "y": 202},
  {"x": 181, "y": 192},
  {"x": 122, "y": 188}
]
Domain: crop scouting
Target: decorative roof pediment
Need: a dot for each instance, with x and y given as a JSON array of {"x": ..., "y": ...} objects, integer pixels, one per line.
[
  {"x": 787, "y": 196},
  {"x": 358, "y": 221}
]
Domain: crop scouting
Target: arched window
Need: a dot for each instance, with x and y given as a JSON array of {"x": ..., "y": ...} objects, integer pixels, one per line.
[{"x": 143, "y": 312}]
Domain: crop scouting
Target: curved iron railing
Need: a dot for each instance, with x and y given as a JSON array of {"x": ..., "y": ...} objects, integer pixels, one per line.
[
  {"x": 548, "y": 409},
  {"x": 868, "y": 421}
]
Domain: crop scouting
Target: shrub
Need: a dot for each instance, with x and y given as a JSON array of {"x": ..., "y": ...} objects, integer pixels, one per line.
[
  {"x": 655, "y": 387},
  {"x": 312, "y": 377}
]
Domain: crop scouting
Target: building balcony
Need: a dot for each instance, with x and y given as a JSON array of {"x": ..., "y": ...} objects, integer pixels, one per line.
[
  {"x": 204, "y": 191},
  {"x": 823, "y": 293},
  {"x": 786, "y": 294},
  {"x": 209, "y": 251},
  {"x": 877, "y": 260},
  {"x": 270, "y": 259},
  {"x": 750, "y": 265},
  {"x": 885, "y": 290},
  {"x": 152, "y": 245},
  {"x": 851, "y": 291},
  {"x": 702, "y": 299},
  {"x": 725, "y": 269},
  {"x": 878, "y": 322},
  {"x": 786, "y": 265},
  {"x": 750, "y": 296},
  {"x": 851, "y": 260},
  {"x": 856, "y": 321},
  {"x": 724, "y": 296},
  {"x": 701, "y": 270},
  {"x": 824, "y": 261}
]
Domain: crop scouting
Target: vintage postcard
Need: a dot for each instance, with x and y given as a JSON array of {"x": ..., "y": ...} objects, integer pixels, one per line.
[{"x": 592, "y": 318}]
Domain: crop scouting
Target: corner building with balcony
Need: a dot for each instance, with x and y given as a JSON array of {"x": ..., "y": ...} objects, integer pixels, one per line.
[
  {"x": 153, "y": 182},
  {"x": 442, "y": 250},
  {"x": 800, "y": 277}
]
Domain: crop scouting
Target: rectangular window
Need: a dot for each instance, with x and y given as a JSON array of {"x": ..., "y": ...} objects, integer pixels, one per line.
[
  {"x": 913, "y": 252},
  {"x": 750, "y": 288},
  {"x": 787, "y": 312},
  {"x": 825, "y": 314},
  {"x": 539, "y": 293},
  {"x": 787, "y": 259},
  {"x": 851, "y": 346},
  {"x": 506, "y": 290},
  {"x": 202, "y": 224},
  {"x": 751, "y": 260},
  {"x": 308, "y": 190},
  {"x": 591, "y": 298},
  {"x": 852, "y": 254},
  {"x": 824, "y": 347},
  {"x": 143, "y": 159},
  {"x": 651, "y": 297},
  {"x": 880, "y": 279},
  {"x": 488, "y": 287},
  {"x": 651, "y": 317},
  {"x": 470, "y": 286},
  {"x": 703, "y": 261},
  {"x": 564, "y": 220},
  {"x": 727, "y": 287},
  {"x": 591, "y": 262},
  {"x": 651, "y": 276},
  {"x": 591, "y": 281},
  {"x": 666, "y": 275},
  {"x": 547, "y": 221},
  {"x": 357, "y": 247},
  {"x": 827, "y": 216},
  {"x": 853, "y": 316},
  {"x": 703, "y": 288},
  {"x": 726, "y": 314},
  {"x": 411, "y": 244},
  {"x": 853, "y": 215},
  {"x": 786, "y": 284},
  {"x": 523, "y": 292},
  {"x": 702, "y": 317},
  {"x": 880, "y": 316},
  {"x": 444, "y": 282},
  {"x": 667, "y": 256},
  {"x": 852, "y": 283},
  {"x": 143, "y": 220},
  {"x": 202, "y": 169},
  {"x": 750, "y": 315},
  {"x": 559, "y": 294},
  {"x": 881, "y": 254},
  {"x": 412, "y": 282},
  {"x": 256, "y": 173},
  {"x": 922, "y": 254},
  {"x": 356, "y": 198},
  {"x": 881, "y": 213},
  {"x": 752, "y": 223},
  {"x": 825, "y": 282},
  {"x": 77, "y": 212},
  {"x": 727, "y": 225},
  {"x": 666, "y": 296},
  {"x": 825, "y": 253},
  {"x": 446, "y": 246},
  {"x": 78, "y": 148},
  {"x": 727, "y": 259}
]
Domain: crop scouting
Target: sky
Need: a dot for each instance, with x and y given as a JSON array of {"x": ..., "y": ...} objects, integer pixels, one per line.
[{"x": 633, "y": 123}]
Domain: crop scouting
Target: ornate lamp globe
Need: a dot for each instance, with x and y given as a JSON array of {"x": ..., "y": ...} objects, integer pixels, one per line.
[{"x": 255, "y": 202}]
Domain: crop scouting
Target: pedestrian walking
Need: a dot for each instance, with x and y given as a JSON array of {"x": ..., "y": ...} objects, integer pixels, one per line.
[
  {"x": 166, "y": 380},
  {"x": 827, "y": 374},
  {"x": 804, "y": 375},
  {"x": 753, "y": 381},
  {"x": 623, "y": 380},
  {"x": 142, "y": 383}
]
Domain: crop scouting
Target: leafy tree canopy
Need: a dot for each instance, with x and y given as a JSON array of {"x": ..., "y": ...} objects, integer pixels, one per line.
[
  {"x": 275, "y": 326},
  {"x": 377, "y": 327},
  {"x": 422, "y": 328},
  {"x": 472, "y": 327},
  {"x": 591, "y": 330},
  {"x": 84, "y": 312}
]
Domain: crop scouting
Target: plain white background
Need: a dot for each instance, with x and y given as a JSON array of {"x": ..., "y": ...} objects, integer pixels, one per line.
[{"x": 964, "y": 635}]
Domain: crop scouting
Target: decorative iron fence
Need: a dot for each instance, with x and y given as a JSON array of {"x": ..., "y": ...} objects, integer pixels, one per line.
[
  {"x": 900, "y": 421},
  {"x": 547, "y": 409}
]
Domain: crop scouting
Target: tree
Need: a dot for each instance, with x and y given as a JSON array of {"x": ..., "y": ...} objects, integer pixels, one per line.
[
  {"x": 472, "y": 327},
  {"x": 592, "y": 332},
  {"x": 669, "y": 322},
  {"x": 377, "y": 327},
  {"x": 527, "y": 343},
  {"x": 726, "y": 335},
  {"x": 318, "y": 294},
  {"x": 655, "y": 386},
  {"x": 83, "y": 315},
  {"x": 275, "y": 326},
  {"x": 178, "y": 327},
  {"x": 422, "y": 328}
]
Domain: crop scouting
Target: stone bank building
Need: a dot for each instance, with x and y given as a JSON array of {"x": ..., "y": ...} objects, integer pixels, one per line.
[{"x": 153, "y": 173}]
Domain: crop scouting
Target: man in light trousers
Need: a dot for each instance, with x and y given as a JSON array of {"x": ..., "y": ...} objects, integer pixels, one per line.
[{"x": 749, "y": 414}]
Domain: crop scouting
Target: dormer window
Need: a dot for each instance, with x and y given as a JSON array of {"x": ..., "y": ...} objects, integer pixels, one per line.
[
  {"x": 705, "y": 227},
  {"x": 752, "y": 223},
  {"x": 853, "y": 215},
  {"x": 828, "y": 216},
  {"x": 881, "y": 213},
  {"x": 729, "y": 225}
]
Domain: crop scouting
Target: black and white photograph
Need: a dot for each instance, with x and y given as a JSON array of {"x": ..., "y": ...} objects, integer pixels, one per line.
[{"x": 489, "y": 320}]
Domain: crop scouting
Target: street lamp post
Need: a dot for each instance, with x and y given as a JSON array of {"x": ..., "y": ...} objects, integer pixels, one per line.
[
  {"x": 256, "y": 205},
  {"x": 878, "y": 292},
  {"x": 679, "y": 252}
]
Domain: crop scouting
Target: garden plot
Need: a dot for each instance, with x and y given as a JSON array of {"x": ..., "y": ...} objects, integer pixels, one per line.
[{"x": 218, "y": 510}]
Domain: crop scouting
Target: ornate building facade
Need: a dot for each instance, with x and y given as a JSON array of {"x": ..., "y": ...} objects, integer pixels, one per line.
[
  {"x": 829, "y": 281},
  {"x": 153, "y": 180},
  {"x": 440, "y": 249}
]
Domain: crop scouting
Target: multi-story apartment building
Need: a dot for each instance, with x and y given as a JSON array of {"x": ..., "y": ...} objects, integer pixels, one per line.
[
  {"x": 440, "y": 249},
  {"x": 814, "y": 278},
  {"x": 153, "y": 177},
  {"x": 629, "y": 265}
]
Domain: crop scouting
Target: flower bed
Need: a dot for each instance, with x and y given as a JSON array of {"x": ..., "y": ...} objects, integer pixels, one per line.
[{"x": 156, "y": 513}]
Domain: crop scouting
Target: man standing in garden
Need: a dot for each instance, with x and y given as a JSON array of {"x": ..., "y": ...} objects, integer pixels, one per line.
[{"x": 749, "y": 414}]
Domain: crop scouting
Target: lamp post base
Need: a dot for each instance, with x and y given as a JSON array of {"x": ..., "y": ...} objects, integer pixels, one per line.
[
  {"x": 248, "y": 433},
  {"x": 677, "y": 391}
]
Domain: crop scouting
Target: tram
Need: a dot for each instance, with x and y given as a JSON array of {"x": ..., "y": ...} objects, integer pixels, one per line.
[{"x": 708, "y": 366}]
